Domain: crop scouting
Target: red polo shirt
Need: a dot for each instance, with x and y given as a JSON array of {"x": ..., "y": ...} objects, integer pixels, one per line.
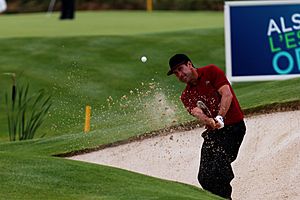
[{"x": 210, "y": 79}]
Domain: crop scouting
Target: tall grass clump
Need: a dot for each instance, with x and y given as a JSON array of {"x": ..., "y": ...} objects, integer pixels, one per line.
[{"x": 25, "y": 113}]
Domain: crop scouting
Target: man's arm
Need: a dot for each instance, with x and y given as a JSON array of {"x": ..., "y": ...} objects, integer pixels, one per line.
[
  {"x": 226, "y": 99},
  {"x": 198, "y": 113}
]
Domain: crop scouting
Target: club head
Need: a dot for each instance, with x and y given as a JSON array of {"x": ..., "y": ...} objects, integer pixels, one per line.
[{"x": 203, "y": 107}]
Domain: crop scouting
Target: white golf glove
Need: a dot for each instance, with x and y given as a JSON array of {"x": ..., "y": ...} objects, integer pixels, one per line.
[{"x": 220, "y": 120}]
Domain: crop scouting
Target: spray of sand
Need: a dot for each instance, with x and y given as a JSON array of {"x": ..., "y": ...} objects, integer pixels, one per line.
[{"x": 148, "y": 106}]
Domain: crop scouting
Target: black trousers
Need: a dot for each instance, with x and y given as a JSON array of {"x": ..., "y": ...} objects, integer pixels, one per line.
[
  {"x": 219, "y": 150},
  {"x": 67, "y": 9}
]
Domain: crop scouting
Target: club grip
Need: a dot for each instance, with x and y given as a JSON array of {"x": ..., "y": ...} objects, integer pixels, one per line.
[{"x": 220, "y": 120}]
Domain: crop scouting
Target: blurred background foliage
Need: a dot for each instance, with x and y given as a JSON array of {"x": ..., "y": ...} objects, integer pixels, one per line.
[{"x": 21, "y": 6}]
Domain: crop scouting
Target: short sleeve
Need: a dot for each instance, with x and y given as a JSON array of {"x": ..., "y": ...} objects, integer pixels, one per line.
[{"x": 217, "y": 77}]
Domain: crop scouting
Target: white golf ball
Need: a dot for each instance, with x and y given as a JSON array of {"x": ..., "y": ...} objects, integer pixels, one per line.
[{"x": 144, "y": 59}]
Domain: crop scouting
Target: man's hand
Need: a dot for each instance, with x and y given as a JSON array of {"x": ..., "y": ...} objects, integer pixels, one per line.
[
  {"x": 198, "y": 113},
  {"x": 220, "y": 122},
  {"x": 212, "y": 123}
]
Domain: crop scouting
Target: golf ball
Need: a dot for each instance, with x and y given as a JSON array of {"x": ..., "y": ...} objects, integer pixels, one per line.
[{"x": 144, "y": 59}]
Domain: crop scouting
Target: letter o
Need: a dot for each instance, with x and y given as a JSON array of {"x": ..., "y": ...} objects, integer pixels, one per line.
[{"x": 275, "y": 63}]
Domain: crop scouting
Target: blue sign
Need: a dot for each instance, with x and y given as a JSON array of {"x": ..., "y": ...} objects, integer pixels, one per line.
[{"x": 262, "y": 40}]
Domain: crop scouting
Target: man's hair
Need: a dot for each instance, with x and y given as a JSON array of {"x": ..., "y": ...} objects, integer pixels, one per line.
[{"x": 177, "y": 60}]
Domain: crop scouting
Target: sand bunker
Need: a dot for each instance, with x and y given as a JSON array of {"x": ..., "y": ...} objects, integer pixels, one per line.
[{"x": 267, "y": 167}]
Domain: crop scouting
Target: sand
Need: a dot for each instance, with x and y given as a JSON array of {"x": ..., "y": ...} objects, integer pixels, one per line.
[{"x": 267, "y": 167}]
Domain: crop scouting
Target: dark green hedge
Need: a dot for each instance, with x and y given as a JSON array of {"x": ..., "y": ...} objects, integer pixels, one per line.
[{"x": 15, "y": 6}]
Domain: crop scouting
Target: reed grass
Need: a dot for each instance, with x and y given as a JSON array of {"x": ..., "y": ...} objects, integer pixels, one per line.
[{"x": 25, "y": 112}]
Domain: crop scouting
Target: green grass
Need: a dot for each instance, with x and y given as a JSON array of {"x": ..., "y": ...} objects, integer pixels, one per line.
[
  {"x": 39, "y": 177},
  {"x": 94, "y": 60},
  {"x": 106, "y": 23},
  {"x": 261, "y": 94},
  {"x": 87, "y": 70}
]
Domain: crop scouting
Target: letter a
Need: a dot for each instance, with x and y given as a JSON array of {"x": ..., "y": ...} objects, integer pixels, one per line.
[{"x": 273, "y": 27}]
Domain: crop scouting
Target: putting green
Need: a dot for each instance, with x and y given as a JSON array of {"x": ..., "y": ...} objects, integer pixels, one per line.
[{"x": 106, "y": 23}]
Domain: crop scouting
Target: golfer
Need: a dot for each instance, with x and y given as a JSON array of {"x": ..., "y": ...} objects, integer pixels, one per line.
[{"x": 223, "y": 118}]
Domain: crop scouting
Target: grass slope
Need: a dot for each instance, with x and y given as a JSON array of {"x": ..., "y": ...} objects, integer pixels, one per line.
[
  {"x": 39, "y": 177},
  {"x": 87, "y": 70}
]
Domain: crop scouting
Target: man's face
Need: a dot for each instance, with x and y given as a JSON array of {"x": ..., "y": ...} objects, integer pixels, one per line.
[{"x": 184, "y": 72}]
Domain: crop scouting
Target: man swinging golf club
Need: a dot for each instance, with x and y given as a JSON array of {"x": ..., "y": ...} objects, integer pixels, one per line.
[{"x": 209, "y": 97}]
